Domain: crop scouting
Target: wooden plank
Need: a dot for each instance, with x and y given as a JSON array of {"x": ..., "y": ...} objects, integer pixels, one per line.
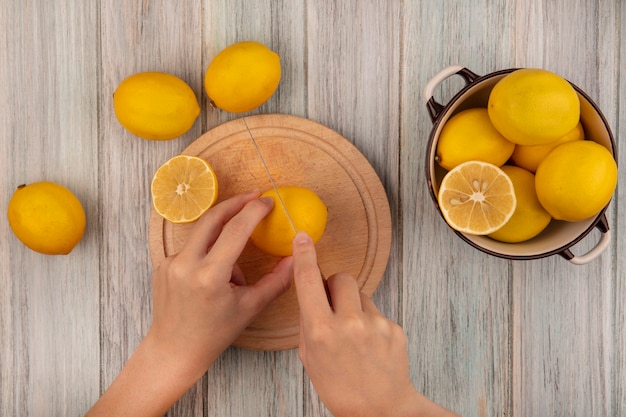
[
  {"x": 608, "y": 79},
  {"x": 564, "y": 339},
  {"x": 244, "y": 383},
  {"x": 618, "y": 365},
  {"x": 138, "y": 36},
  {"x": 359, "y": 97},
  {"x": 249, "y": 383},
  {"x": 353, "y": 87},
  {"x": 48, "y": 131},
  {"x": 455, "y": 298}
]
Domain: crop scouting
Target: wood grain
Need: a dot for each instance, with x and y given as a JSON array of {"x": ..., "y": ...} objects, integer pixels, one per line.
[
  {"x": 298, "y": 152},
  {"x": 486, "y": 336},
  {"x": 49, "y": 341},
  {"x": 616, "y": 67}
]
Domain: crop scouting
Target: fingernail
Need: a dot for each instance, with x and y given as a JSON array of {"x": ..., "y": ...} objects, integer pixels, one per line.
[
  {"x": 268, "y": 201},
  {"x": 301, "y": 238}
]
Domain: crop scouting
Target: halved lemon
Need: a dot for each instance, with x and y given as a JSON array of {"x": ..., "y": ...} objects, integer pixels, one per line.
[
  {"x": 184, "y": 188},
  {"x": 477, "y": 198}
]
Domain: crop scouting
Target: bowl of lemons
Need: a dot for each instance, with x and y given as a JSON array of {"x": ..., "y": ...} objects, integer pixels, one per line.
[{"x": 521, "y": 163}]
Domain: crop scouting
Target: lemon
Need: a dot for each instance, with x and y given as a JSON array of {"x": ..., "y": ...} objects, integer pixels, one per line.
[
  {"x": 476, "y": 198},
  {"x": 529, "y": 156},
  {"x": 46, "y": 217},
  {"x": 533, "y": 106},
  {"x": 469, "y": 136},
  {"x": 184, "y": 188},
  {"x": 275, "y": 233},
  {"x": 576, "y": 180},
  {"x": 155, "y": 105},
  {"x": 242, "y": 76},
  {"x": 529, "y": 218}
]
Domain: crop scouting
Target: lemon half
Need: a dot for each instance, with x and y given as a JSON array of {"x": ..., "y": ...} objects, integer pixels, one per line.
[
  {"x": 184, "y": 188},
  {"x": 477, "y": 198}
]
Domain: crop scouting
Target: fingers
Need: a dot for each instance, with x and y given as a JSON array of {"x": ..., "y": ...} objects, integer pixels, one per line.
[
  {"x": 270, "y": 287},
  {"x": 308, "y": 279},
  {"x": 344, "y": 293},
  {"x": 368, "y": 305},
  {"x": 209, "y": 227},
  {"x": 238, "y": 277},
  {"x": 236, "y": 232}
]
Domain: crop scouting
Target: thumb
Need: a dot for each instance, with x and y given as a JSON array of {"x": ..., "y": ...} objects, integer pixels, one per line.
[{"x": 270, "y": 287}]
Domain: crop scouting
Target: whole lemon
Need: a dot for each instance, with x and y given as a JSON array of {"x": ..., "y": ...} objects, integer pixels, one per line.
[
  {"x": 533, "y": 106},
  {"x": 529, "y": 218},
  {"x": 470, "y": 136},
  {"x": 275, "y": 233},
  {"x": 576, "y": 180},
  {"x": 46, "y": 217},
  {"x": 242, "y": 76},
  {"x": 530, "y": 156},
  {"x": 155, "y": 105}
]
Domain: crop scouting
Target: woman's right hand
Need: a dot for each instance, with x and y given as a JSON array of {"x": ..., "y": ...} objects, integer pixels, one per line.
[{"x": 356, "y": 358}]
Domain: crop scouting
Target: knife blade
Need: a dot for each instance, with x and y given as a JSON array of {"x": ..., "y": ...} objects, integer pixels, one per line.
[
  {"x": 269, "y": 176},
  {"x": 282, "y": 203}
]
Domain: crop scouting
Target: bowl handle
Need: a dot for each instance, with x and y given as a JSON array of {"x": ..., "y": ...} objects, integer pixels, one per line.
[
  {"x": 435, "y": 108},
  {"x": 603, "y": 243}
]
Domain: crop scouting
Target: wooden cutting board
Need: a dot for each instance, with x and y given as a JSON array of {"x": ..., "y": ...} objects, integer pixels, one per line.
[{"x": 303, "y": 153}]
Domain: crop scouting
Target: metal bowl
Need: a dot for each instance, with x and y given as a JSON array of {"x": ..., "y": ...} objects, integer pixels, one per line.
[{"x": 559, "y": 236}]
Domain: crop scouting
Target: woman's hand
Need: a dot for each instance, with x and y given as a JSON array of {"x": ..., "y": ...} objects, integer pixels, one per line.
[
  {"x": 356, "y": 358},
  {"x": 201, "y": 304},
  {"x": 201, "y": 300}
]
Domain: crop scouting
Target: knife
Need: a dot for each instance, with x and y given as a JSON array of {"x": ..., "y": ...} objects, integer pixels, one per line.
[
  {"x": 269, "y": 175},
  {"x": 282, "y": 203}
]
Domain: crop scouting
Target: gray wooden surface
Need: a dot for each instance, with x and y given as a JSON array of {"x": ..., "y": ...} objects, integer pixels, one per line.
[{"x": 487, "y": 337}]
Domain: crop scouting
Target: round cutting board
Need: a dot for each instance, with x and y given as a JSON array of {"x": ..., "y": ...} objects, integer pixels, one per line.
[{"x": 302, "y": 153}]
